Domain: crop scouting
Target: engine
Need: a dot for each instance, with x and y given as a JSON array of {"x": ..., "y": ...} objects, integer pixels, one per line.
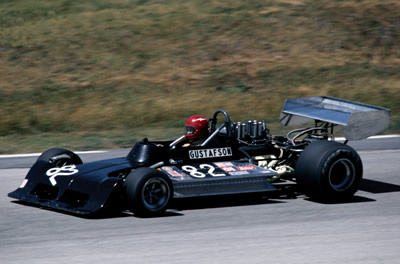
[{"x": 251, "y": 132}]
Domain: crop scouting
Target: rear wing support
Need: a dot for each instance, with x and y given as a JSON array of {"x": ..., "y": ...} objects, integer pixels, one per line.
[{"x": 359, "y": 120}]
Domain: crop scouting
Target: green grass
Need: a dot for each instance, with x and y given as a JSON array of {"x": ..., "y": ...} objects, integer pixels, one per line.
[{"x": 101, "y": 74}]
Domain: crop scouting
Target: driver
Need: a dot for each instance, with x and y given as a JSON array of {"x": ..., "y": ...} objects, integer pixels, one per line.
[{"x": 196, "y": 130}]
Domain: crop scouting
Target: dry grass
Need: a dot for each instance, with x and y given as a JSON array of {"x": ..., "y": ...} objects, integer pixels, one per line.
[{"x": 114, "y": 68}]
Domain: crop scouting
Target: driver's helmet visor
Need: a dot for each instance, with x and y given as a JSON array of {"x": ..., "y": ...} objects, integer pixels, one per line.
[{"x": 189, "y": 130}]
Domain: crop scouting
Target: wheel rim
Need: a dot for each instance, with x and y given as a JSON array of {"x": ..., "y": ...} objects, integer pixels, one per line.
[
  {"x": 155, "y": 194},
  {"x": 62, "y": 162},
  {"x": 342, "y": 174}
]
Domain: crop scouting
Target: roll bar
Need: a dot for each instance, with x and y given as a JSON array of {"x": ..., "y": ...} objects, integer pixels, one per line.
[{"x": 215, "y": 130}]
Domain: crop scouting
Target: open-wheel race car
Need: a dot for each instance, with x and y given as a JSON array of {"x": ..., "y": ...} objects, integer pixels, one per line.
[{"x": 231, "y": 158}]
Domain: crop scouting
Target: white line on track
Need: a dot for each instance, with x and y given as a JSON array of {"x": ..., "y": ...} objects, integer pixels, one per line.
[
  {"x": 38, "y": 154},
  {"x": 373, "y": 137},
  {"x": 6, "y": 156}
]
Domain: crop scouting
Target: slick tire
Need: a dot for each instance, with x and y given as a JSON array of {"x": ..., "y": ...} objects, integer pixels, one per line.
[
  {"x": 328, "y": 171},
  {"x": 148, "y": 192},
  {"x": 59, "y": 157}
]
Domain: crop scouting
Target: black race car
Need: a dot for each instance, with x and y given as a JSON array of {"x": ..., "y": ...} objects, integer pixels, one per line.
[{"x": 236, "y": 157}]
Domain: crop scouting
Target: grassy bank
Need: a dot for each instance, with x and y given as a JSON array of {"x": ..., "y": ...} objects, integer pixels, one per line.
[{"x": 99, "y": 74}]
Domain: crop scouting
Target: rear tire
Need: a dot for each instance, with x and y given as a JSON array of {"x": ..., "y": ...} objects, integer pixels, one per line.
[
  {"x": 329, "y": 171},
  {"x": 148, "y": 192}
]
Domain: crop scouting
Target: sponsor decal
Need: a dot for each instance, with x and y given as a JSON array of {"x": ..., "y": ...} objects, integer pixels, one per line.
[
  {"x": 228, "y": 169},
  {"x": 243, "y": 168},
  {"x": 171, "y": 171},
  {"x": 265, "y": 171},
  {"x": 174, "y": 173},
  {"x": 67, "y": 170},
  {"x": 238, "y": 173},
  {"x": 210, "y": 153},
  {"x": 224, "y": 164}
]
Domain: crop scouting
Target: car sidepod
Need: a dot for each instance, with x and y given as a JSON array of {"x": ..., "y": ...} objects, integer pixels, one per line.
[{"x": 217, "y": 178}]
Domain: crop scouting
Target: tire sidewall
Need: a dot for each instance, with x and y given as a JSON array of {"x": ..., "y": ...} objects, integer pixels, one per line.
[
  {"x": 53, "y": 152},
  {"x": 134, "y": 188},
  {"x": 325, "y": 180},
  {"x": 314, "y": 166}
]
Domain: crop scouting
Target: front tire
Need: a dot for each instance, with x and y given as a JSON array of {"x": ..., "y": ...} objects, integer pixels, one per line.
[
  {"x": 329, "y": 171},
  {"x": 59, "y": 157},
  {"x": 148, "y": 192}
]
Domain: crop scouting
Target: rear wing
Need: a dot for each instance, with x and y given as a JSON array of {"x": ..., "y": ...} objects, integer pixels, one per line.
[{"x": 359, "y": 120}]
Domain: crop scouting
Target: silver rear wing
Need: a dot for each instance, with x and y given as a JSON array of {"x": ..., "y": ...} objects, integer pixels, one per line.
[{"x": 359, "y": 120}]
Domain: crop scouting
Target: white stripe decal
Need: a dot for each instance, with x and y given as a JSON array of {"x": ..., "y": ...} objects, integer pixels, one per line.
[{"x": 38, "y": 154}]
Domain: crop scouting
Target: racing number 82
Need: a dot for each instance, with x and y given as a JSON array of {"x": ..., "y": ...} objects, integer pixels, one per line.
[{"x": 198, "y": 174}]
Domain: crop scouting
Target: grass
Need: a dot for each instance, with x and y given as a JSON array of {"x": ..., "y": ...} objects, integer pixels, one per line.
[{"x": 101, "y": 74}]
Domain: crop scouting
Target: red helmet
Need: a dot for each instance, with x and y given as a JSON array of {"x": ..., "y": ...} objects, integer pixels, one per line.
[{"x": 196, "y": 127}]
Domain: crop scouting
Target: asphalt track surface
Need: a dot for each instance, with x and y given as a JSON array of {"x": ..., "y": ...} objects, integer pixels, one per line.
[{"x": 219, "y": 230}]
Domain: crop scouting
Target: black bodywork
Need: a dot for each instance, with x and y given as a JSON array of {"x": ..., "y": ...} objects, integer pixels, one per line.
[
  {"x": 235, "y": 158},
  {"x": 89, "y": 189}
]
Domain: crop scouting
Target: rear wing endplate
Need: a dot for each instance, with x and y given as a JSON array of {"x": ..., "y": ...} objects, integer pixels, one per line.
[{"x": 359, "y": 120}]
